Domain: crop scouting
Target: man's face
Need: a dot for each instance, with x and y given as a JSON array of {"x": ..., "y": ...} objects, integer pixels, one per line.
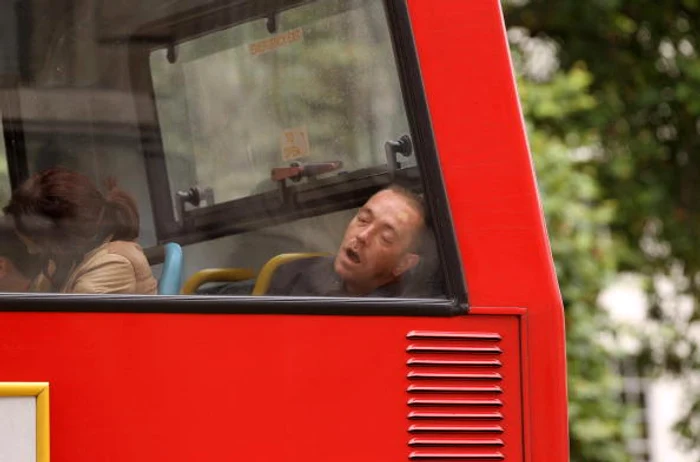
[{"x": 377, "y": 243}]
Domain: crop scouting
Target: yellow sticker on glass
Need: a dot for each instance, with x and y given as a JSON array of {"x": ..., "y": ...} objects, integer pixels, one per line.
[{"x": 294, "y": 143}]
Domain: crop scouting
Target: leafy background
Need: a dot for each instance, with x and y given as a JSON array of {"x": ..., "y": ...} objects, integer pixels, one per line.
[{"x": 610, "y": 96}]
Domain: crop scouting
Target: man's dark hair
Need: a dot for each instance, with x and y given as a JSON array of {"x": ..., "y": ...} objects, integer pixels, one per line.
[
  {"x": 12, "y": 248},
  {"x": 416, "y": 200}
]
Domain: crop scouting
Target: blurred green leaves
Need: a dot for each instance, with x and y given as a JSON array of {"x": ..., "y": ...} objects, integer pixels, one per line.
[
  {"x": 614, "y": 133},
  {"x": 579, "y": 218}
]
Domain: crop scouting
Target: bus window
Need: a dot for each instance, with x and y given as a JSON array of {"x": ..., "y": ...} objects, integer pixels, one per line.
[
  {"x": 275, "y": 131},
  {"x": 234, "y": 104},
  {"x": 258, "y": 136}
]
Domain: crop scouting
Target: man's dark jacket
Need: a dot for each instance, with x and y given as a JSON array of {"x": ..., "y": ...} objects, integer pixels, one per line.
[{"x": 317, "y": 277}]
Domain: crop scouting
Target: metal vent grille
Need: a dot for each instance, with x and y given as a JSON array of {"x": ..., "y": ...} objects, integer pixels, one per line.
[{"x": 455, "y": 396}]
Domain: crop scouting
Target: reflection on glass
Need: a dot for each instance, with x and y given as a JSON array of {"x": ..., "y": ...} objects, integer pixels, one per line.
[
  {"x": 4, "y": 172},
  {"x": 84, "y": 238}
]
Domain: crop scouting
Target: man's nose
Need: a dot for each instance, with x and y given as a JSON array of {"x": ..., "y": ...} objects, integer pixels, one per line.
[{"x": 363, "y": 235}]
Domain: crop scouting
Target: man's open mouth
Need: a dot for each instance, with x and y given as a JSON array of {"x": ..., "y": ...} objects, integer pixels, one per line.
[{"x": 352, "y": 255}]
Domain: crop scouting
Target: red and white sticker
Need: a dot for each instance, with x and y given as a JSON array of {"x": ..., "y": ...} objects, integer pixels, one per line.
[{"x": 278, "y": 41}]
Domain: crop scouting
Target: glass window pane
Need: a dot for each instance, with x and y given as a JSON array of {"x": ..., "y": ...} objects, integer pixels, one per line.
[
  {"x": 236, "y": 103},
  {"x": 284, "y": 124}
]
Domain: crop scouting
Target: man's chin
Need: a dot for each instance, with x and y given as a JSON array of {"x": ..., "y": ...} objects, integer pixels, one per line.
[
  {"x": 340, "y": 267},
  {"x": 345, "y": 269}
]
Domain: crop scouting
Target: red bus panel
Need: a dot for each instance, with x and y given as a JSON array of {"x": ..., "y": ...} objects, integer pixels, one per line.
[{"x": 143, "y": 387}]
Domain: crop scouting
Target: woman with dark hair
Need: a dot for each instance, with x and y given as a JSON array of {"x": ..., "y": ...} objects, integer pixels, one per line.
[{"x": 85, "y": 238}]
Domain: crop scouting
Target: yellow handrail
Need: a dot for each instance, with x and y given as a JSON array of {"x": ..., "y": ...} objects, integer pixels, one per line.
[
  {"x": 268, "y": 270},
  {"x": 216, "y": 275}
]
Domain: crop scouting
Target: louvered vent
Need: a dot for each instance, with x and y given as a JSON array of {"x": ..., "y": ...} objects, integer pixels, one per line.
[{"x": 455, "y": 396}]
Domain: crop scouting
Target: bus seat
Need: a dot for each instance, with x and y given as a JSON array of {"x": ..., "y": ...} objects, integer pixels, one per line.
[
  {"x": 269, "y": 268},
  {"x": 215, "y": 275},
  {"x": 171, "y": 277}
]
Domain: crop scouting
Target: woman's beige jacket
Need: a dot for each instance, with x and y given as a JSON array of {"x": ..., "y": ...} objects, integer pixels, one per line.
[{"x": 117, "y": 267}]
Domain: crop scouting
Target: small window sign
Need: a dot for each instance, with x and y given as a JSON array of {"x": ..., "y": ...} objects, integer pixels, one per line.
[
  {"x": 278, "y": 41},
  {"x": 294, "y": 143}
]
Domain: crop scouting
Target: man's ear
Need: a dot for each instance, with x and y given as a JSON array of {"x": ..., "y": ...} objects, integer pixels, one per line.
[{"x": 408, "y": 261}]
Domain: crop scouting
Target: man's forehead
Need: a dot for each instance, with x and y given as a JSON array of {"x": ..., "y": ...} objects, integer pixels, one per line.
[{"x": 391, "y": 206}]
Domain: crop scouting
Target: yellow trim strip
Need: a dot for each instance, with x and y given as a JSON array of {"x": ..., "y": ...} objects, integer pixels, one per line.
[
  {"x": 22, "y": 388},
  {"x": 43, "y": 441},
  {"x": 41, "y": 391}
]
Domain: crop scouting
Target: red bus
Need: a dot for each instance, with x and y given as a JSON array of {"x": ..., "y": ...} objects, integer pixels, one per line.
[{"x": 250, "y": 132}]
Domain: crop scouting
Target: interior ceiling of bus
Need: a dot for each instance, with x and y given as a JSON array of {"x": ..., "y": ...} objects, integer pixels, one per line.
[
  {"x": 64, "y": 108},
  {"x": 72, "y": 62},
  {"x": 71, "y": 57},
  {"x": 69, "y": 60}
]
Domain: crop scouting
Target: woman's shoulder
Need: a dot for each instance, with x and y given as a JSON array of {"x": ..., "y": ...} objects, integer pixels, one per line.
[
  {"x": 115, "y": 254},
  {"x": 128, "y": 249},
  {"x": 116, "y": 267}
]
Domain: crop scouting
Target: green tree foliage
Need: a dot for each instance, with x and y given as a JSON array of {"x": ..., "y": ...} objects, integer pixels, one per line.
[
  {"x": 579, "y": 220},
  {"x": 639, "y": 128}
]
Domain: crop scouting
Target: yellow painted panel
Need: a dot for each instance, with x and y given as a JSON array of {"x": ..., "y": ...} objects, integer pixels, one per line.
[{"x": 41, "y": 391}]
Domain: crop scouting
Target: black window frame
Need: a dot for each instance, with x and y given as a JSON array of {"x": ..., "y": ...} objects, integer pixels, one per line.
[{"x": 323, "y": 197}]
